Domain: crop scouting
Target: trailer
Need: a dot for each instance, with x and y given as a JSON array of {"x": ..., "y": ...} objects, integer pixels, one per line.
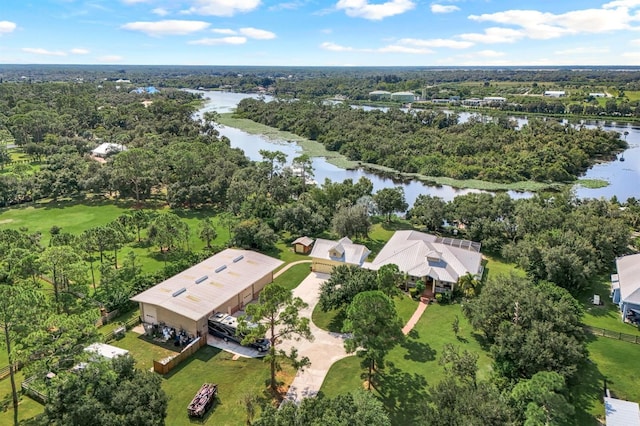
[
  {"x": 203, "y": 400},
  {"x": 226, "y": 327}
]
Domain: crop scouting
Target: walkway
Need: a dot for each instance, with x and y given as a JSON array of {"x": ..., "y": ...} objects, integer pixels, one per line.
[
  {"x": 289, "y": 265},
  {"x": 424, "y": 302}
]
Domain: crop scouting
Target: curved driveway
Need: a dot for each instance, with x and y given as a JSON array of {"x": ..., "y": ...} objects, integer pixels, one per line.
[{"x": 323, "y": 351}]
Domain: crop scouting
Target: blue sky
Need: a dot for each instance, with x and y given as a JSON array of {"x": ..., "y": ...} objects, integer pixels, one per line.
[{"x": 321, "y": 32}]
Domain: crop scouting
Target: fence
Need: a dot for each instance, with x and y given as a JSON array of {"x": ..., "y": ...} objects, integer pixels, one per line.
[
  {"x": 29, "y": 390},
  {"x": 596, "y": 331},
  {"x": 168, "y": 364},
  {"x": 107, "y": 337},
  {"x": 4, "y": 371}
]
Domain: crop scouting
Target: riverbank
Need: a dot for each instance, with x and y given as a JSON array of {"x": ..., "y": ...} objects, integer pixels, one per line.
[{"x": 316, "y": 149}]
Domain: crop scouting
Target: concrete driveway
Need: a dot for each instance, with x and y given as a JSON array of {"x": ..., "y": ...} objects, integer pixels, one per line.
[
  {"x": 323, "y": 351},
  {"x": 233, "y": 347}
]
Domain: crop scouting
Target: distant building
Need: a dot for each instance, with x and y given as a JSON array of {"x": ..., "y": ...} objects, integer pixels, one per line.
[
  {"x": 494, "y": 99},
  {"x": 403, "y": 97},
  {"x": 472, "y": 102},
  {"x": 106, "y": 149},
  {"x": 597, "y": 95},
  {"x": 379, "y": 95},
  {"x": 150, "y": 90},
  {"x": 555, "y": 93},
  {"x": 440, "y": 101}
]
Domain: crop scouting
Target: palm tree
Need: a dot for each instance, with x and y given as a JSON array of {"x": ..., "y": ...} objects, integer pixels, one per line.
[{"x": 468, "y": 284}]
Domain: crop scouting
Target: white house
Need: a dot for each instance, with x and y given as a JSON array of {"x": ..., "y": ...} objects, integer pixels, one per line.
[
  {"x": 555, "y": 93},
  {"x": 439, "y": 262},
  {"x": 619, "y": 412},
  {"x": 327, "y": 254},
  {"x": 625, "y": 287}
]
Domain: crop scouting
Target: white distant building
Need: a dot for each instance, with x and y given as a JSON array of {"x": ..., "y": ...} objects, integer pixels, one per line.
[
  {"x": 106, "y": 149},
  {"x": 597, "y": 95},
  {"x": 497, "y": 99},
  {"x": 379, "y": 94},
  {"x": 555, "y": 93}
]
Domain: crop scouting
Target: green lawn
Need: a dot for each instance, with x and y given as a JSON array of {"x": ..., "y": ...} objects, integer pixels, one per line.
[
  {"x": 143, "y": 350},
  {"x": 615, "y": 361},
  {"x": 292, "y": 277},
  {"x": 234, "y": 378},
  {"x": 77, "y": 216},
  {"x": 27, "y": 408},
  {"x": 606, "y": 315},
  {"x": 412, "y": 365}
]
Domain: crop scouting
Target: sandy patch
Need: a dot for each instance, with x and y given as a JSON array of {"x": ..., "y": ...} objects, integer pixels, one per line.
[{"x": 3, "y": 221}]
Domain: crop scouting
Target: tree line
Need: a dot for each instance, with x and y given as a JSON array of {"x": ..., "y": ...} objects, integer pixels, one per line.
[{"x": 433, "y": 143}]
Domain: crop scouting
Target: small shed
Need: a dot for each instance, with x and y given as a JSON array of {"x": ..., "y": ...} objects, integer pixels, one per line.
[{"x": 302, "y": 245}]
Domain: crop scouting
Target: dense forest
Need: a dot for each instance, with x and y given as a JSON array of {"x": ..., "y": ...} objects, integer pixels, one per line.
[{"x": 433, "y": 143}]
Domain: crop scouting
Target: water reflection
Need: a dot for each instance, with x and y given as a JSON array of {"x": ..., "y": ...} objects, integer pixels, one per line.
[{"x": 623, "y": 177}]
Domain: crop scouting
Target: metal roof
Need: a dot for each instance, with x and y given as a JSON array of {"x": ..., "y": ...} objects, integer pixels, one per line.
[
  {"x": 629, "y": 278},
  {"x": 305, "y": 241},
  {"x": 419, "y": 254},
  {"x": 197, "y": 291},
  {"x": 619, "y": 412},
  {"x": 349, "y": 252}
]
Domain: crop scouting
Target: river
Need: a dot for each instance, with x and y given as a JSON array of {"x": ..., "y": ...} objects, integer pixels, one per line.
[{"x": 623, "y": 176}]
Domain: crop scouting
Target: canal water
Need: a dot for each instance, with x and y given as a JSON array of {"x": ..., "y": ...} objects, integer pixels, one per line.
[{"x": 623, "y": 176}]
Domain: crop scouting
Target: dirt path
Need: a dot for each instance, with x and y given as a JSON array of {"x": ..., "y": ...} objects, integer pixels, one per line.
[{"x": 416, "y": 316}]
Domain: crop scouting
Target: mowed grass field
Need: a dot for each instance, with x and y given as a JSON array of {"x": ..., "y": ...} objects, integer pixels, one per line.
[{"x": 77, "y": 216}]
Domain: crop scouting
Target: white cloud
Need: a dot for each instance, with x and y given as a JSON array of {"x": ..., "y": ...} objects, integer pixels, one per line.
[
  {"x": 635, "y": 42},
  {"x": 493, "y": 35},
  {"x": 534, "y": 24},
  {"x": 436, "y": 42},
  {"x": 292, "y": 5},
  {"x": 168, "y": 27},
  {"x": 218, "y": 41},
  {"x": 222, "y": 7},
  {"x": 326, "y": 31},
  {"x": 79, "y": 51},
  {"x": 257, "y": 33},
  {"x": 621, "y": 3},
  {"x": 489, "y": 53},
  {"x": 394, "y": 48},
  {"x": 133, "y": 1},
  {"x": 110, "y": 58},
  {"x": 335, "y": 47},
  {"x": 374, "y": 12},
  {"x": 7, "y": 27},
  {"x": 226, "y": 31},
  {"x": 43, "y": 52},
  {"x": 160, "y": 11},
  {"x": 441, "y": 8}
]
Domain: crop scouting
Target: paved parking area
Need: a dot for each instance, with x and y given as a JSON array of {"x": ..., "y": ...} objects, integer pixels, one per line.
[{"x": 233, "y": 347}]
